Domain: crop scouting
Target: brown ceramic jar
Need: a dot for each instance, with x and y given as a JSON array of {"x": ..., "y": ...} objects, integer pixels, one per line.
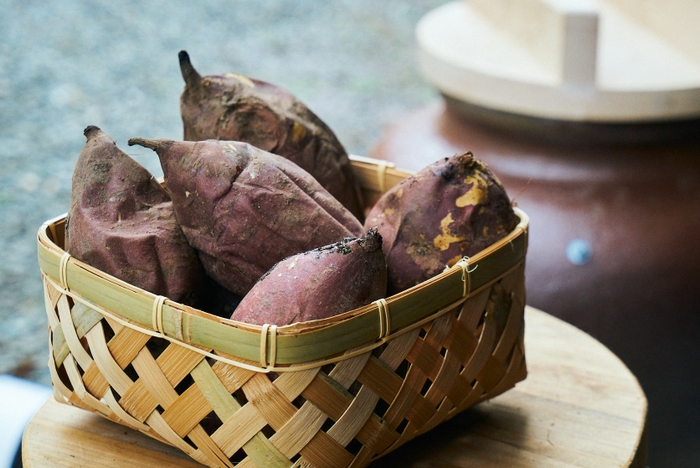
[{"x": 614, "y": 236}]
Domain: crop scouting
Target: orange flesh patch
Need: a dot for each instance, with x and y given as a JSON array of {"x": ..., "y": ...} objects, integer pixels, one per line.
[
  {"x": 243, "y": 79},
  {"x": 298, "y": 132},
  {"x": 476, "y": 194},
  {"x": 444, "y": 240}
]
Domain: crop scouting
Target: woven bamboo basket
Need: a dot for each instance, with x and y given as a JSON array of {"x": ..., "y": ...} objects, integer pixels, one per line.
[{"x": 337, "y": 392}]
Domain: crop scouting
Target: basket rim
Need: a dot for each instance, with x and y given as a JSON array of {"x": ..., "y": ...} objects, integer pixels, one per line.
[{"x": 290, "y": 347}]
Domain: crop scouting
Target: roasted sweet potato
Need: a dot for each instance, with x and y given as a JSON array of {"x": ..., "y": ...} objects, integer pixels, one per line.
[
  {"x": 318, "y": 284},
  {"x": 245, "y": 209},
  {"x": 236, "y": 107},
  {"x": 121, "y": 221},
  {"x": 450, "y": 209}
]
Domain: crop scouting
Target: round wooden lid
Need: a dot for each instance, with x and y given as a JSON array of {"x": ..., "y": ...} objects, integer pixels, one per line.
[{"x": 605, "y": 61}]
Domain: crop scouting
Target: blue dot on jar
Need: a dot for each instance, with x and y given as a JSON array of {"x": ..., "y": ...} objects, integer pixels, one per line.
[{"x": 579, "y": 252}]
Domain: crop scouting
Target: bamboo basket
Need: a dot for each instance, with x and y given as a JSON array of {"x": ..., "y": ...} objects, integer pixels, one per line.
[{"x": 337, "y": 392}]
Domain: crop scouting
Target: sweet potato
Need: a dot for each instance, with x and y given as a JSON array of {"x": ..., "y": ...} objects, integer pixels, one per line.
[
  {"x": 236, "y": 107},
  {"x": 318, "y": 284},
  {"x": 450, "y": 209},
  {"x": 121, "y": 221},
  {"x": 245, "y": 209}
]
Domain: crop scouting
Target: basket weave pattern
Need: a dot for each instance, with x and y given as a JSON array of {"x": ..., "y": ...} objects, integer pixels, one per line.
[{"x": 345, "y": 409}]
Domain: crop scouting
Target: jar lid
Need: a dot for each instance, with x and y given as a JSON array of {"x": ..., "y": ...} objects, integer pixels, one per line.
[{"x": 582, "y": 60}]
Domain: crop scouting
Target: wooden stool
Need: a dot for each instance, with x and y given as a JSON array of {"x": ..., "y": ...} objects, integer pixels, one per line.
[{"x": 579, "y": 406}]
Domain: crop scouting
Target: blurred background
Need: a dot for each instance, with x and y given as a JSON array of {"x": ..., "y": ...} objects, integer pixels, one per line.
[{"x": 68, "y": 64}]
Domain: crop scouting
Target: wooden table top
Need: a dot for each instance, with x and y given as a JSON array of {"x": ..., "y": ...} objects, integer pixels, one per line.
[{"x": 579, "y": 407}]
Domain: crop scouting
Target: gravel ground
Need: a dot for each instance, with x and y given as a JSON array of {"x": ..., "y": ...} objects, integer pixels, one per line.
[{"x": 65, "y": 65}]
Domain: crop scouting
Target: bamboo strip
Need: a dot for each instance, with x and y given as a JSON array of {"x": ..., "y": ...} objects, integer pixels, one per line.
[
  {"x": 70, "y": 335},
  {"x": 441, "y": 414},
  {"x": 247, "y": 462},
  {"x": 238, "y": 429},
  {"x": 60, "y": 389},
  {"x": 126, "y": 344},
  {"x": 302, "y": 463},
  {"x": 215, "y": 393},
  {"x": 232, "y": 377},
  {"x": 459, "y": 388},
  {"x": 296, "y": 433},
  {"x": 188, "y": 410},
  {"x": 482, "y": 352},
  {"x": 199, "y": 456},
  {"x": 397, "y": 349},
  {"x": 462, "y": 341},
  {"x": 154, "y": 379},
  {"x": 271, "y": 402},
  {"x": 258, "y": 448},
  {"x": 425, "y": 357},
  {"x": 446, "y": 375},
  {"x": 261, "y": 452},
  {"x": 73, "y": 373},
  {"x": 94, "y": 381},
  {"x": 406, "y": 396},
  {"x": 84, "y": 318},
  {"x": 449, "y": 365},
  {"x": 476, "y": 395},
  {"x": 346, "y": 372},
  {"x": 365, "y": 170},
  {"x": 60, "y": 348},
  {"x": 472, "y": 310},
  {"x": 511, "y": 333},
  {"x": 381, "y": 379},
  {"x": 324, "y": 452},
  {"x": 104, "y": 361},
  {"x": 212, "y": 451},
  {"x": 363, "y": 457},
  {"x": 292, "y": 384},
  {"x": 156, "y": 422},
  {"x": 328, "y": 396},
  {"x": 349, "y": 424},
  {"x": 325, "y": 394},
  {"x": 51, "y": 297},
  {"x": 376, "y": 434},
  {"x": 138, "y": 402},
  {"x": 177, "y": 362},
  {"x": 122, "y": 416},
  {"x": 439, "y": 330},
  {"x": 515, "y": 367},
  {"x": 492, "y": 373},
  {"x": 117, "y": 328}
]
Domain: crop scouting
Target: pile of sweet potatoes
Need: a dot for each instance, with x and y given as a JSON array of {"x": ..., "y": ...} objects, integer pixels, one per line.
[{"x": 260, "y": 218}]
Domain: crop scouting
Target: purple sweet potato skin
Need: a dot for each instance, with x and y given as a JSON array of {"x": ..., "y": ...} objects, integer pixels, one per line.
[
  {"x": 453, "y": 208},
  {"x": 122, "y": 222},
  {"x": 245, "y": 209},
  {"x": 318, "y": 284},
  {"x": 235, "y": 107}
]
